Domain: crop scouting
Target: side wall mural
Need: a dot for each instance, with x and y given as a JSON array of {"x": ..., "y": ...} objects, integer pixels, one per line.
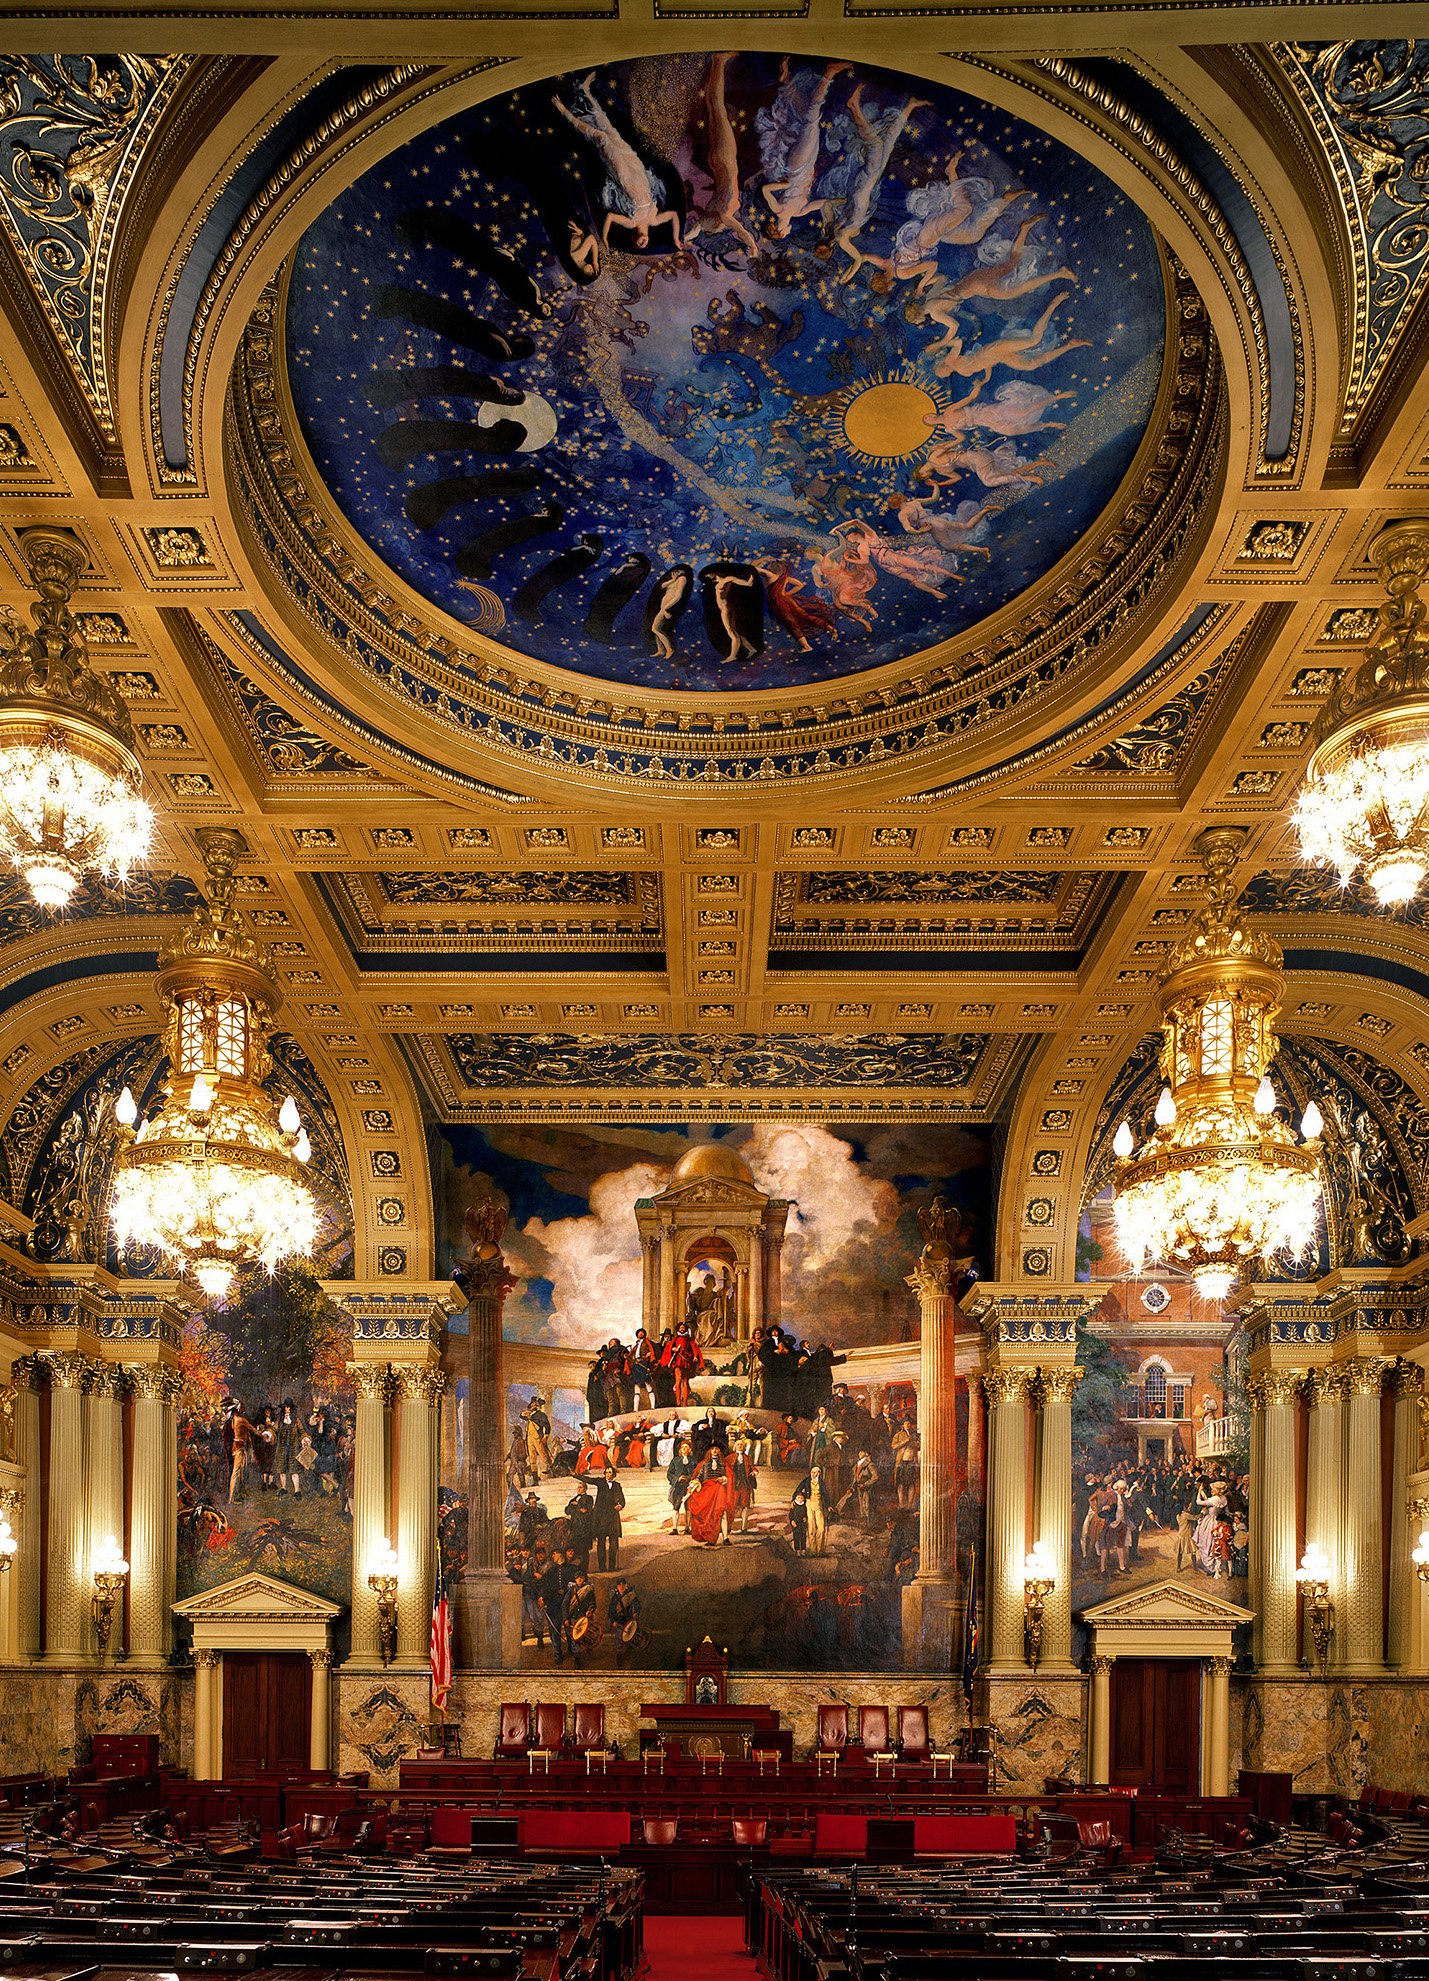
[
  {"x": 266, "y": 1424},
  {"x": 711, "y": 1361},
  {"x": 1160, "y": 1437}
]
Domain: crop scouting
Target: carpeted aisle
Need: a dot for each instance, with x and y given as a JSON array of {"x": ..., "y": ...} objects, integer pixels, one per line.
[{"x": 696, "y": 1947}]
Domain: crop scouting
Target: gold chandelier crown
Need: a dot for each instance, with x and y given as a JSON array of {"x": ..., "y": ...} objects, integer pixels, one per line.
[
  {"x": 47, "y": 671},
  {"x": 1219, "y": 935},
  {"x": 1396, "y": 662}
]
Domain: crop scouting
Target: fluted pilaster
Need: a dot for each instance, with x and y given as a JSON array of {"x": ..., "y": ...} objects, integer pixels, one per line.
[
  {"x": 106, "y": 1479},
  {"x": 1273, "y": 1397},
  {"x": 68, "y": 1635},
  {"x": 1007, "y": 1393},
  {"x": 152, "y": 1513},
  {"x": 1055, "y": 1390},
  {"x": 1322, "y": 1482},
  {"x": 418, "y": 1399},
  {"x": 370, "y": 1486},
  {"x": 1405, "y": 1588},
  {"x": 25, "y": 1380},
  {"x": 1360, "y": 1632}
]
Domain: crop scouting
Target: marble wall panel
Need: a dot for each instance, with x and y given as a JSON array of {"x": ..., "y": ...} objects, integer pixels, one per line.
[
  {"x": 1039, "y": 1729},
  {"x": 1398, "y": 1757}
]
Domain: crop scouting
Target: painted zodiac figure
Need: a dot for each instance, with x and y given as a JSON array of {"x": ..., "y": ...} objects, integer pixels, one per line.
[
  {"x": 1016, "y": 407},
  {"x": 633, "y": 192},
  {"x": 1003, "y": 274},
  {"x": 789, "y": 138},
  {"x": 998, "y": 467},
  {"x": 845, "y": 571},
  {"x": 879, "y": 137},
  {"x": 921, "y": 565},
  {"x": 951, "y": 530},
  {"x": 1019, "y": 350},
  {"x": 721, "y": 216},
  {"x": 952, "y": 213}
]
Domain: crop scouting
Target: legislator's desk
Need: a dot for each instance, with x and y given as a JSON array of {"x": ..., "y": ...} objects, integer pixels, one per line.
[{"x": 730, "y": 1730}]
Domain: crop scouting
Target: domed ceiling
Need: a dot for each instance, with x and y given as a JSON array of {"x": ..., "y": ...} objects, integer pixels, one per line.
[{"x": 725, "y": 372}]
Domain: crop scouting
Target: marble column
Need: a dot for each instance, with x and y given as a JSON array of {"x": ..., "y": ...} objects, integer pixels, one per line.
[
  {"x": 152, "y": 1513},
  {"x": 1360, "y": 1619},
  {"x": 370, "y": 1506},
  {"x": 1053, "y": 1503},
  {"x": 1322, "y": 1482},
  {"x": 419, "y": 1392},
  {"x": 482, "y": 1598},
  {"x": 1405, "y": 1588},
  {"x": 106, "y": 1484},
  {"x": 1006, "y": 1391},
  {"x": 975, "y": 1459},
  {"x": 208, "y": 1677},
  {"x": 320, "y": 1730},
  {"x": 1099, "y": 1724},
  {"x": 69, "y": 1636},
  {"x": 930, "y": 1600},
  {"x": 1273, "y": 1518},
  {"x": 25, "y": 1379}
]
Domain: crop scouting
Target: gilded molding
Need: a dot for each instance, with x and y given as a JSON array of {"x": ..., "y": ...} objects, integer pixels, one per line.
[
  {"x": 1363, "y": 1378},
  {"x": 1005, "y": 1386},
  {"x": 419, "y": 1385},
  {"x": 372, "y": 1381},
  {"x": 1058, "y": 1385},
  {"x": 1274, "y": 1388}
]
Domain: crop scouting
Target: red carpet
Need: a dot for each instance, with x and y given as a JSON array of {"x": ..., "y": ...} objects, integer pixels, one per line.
[{"x": 696, "y": 1947}]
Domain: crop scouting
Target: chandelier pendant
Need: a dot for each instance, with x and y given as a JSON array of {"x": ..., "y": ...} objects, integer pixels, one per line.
[
  {"x": 213, "y": 1180},
  {"x": 1222, "y": 1185},
  {"x": 70, "y": 783},
  {"x": 1365, "y": 803}
]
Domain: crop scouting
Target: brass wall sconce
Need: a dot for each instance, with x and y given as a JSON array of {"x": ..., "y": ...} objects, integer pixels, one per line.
[
  {"x": 1039, "y": 1579},
  {"x": 111, "y": 1572},
  {"x": 1313, "y": 1580},
  {"x": 9, "y": 1546},
  {"x": 382, "y": 1581}
]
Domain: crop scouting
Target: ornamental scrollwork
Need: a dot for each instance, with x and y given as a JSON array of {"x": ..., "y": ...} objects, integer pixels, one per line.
[
  {"x": 693, "y": 1060},
  {"x": 71, "y": 130}
]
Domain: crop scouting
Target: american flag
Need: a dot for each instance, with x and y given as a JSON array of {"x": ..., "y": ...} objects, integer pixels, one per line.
[
  {"x": 970, "y": 1632},
  {"x": 441, "y": 1642}
]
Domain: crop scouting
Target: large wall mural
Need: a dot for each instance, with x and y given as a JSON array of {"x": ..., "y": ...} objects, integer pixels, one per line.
[
  {"x": 726, "y": 371},
  {"x": 1160, "y": 1435},
  {"x": 712, "y": 1358},
  {"x": 266, "y": 1423}
]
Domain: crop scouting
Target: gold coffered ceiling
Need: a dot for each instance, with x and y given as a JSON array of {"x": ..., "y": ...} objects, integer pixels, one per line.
[{"x": 933, "y": 890}]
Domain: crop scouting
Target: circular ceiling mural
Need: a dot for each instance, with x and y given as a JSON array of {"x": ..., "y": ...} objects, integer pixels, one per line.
[{"x": 721, "y": 372}]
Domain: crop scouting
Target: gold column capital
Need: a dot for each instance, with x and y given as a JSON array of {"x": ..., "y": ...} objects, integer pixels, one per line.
[
  {"x": 421, "y": 1382},
  {"x": 1364, "y": 1378},
  {"x": 154, "y": 1382},
  {"x": 1058, "y": 1385},
  {"x": 371, "y": 1380},
  {"x": 1327, "y": 1385},
  {"x": 1007, "y": 1385},
  {"x": 1274, "y": 1387},
  {"x": 1407, "y": 1379},
  {"x": 1101, "y": 1665},
  {"x": 320, "y": 1660},
  {"x": 69, "y": 1369},
  {"x": 1219, "y": 1667},
  {"x": 206, "y": 1660}
]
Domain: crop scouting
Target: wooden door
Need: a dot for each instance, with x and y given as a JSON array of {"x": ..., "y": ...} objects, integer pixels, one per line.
[
  {"x": 267, "y": 1711},
  {"x": 1156, "y": 1724}
]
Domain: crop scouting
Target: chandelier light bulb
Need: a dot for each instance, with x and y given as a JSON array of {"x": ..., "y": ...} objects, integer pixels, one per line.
[
  {"x": 200, "y": 1096},
  {"x": 303, "y": 1148},
  {"x": 1265, "y": 1097},
  {"x": 1124, "y": 1141},
  {"x": 1165, "y": 1109},
  {"x": 1312, "y": 1122},
  {"x": 126, "y": 1110},
  {"x": 214, "y": 1276},
  {"x": 289, "y": 1120}
]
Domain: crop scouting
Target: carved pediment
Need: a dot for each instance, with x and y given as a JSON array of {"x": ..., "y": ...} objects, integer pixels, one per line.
[
  {"x": 705, "y": 1192},
  {"x": 257, "y": 1599},
  {"x": 1168, "y": 1604}
]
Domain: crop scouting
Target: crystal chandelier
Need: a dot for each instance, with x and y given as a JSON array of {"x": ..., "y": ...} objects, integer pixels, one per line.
[
  {"x": 212, "y": 1180},
  {"x": 1222, "y": 1182},
  {"x": 69, "y": 779},
  {"x": 1366, "y": 796}
]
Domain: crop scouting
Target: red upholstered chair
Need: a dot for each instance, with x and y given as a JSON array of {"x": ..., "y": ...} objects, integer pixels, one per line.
[
  {"x": 1099, "y": 1842},
  {"x": 317, "y": 1827},
  {"x": 913, "y": 1733},
  {"x": 513, "y": 1731},
  {"x": 873, "y": 1729},
  {"x": 833, "y": 1727},
  {"x": 550, "y": 1725},
  {"x": 589, "y": 1726},
  {"x": 660, "y": 1830},
  {"x": 750, "y": 1832}
]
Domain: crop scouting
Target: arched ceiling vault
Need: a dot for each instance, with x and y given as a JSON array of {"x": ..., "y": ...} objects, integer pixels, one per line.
[{"x": 933, "y": 879}]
